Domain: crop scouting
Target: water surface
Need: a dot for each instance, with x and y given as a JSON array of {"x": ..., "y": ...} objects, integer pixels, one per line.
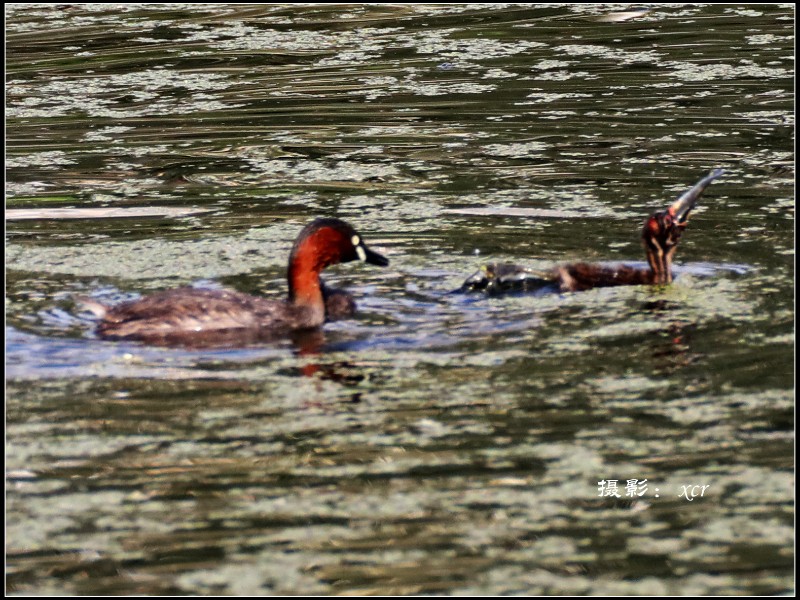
[{"x": 439, "y": 443}]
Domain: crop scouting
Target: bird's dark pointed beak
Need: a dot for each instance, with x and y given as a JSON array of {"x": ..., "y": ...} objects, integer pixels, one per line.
[
  {"x": 373, "y": 258},
  {"x": 680, "y": 209}
]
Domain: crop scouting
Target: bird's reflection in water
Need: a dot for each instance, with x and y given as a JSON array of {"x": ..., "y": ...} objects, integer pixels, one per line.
[
  {"x": 672, "y": 350},
  {"x": 310, "y": 343}
]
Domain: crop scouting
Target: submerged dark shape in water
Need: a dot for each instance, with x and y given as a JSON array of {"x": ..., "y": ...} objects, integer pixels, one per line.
[
  {"x": 660, "y": 236},
  {"x": 200, "y": 317}
]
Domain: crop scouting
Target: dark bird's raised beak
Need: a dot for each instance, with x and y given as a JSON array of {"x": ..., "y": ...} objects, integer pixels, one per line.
[{"x": 679, "y": 210}]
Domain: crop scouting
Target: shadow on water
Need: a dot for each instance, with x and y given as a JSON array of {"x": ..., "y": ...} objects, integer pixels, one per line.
[{"x": 438, "y": 443}]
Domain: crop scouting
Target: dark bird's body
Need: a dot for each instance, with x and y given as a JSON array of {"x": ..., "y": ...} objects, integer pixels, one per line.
[{"x": 660, "y": 236}]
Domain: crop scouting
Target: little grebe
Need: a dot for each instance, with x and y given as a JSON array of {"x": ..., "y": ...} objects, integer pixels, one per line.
[
  {"x": 660, "y": 236},
  {"x": 193, "y": 316}
]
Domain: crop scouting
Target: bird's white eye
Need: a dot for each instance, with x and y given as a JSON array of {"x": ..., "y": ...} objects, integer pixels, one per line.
[
  {"x": 355, "y": 240},
  {"x": 361, "y": 253}
]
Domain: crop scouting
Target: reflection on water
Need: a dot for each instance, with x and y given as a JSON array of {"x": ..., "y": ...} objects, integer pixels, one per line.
[{"x": 438, "y": 443}]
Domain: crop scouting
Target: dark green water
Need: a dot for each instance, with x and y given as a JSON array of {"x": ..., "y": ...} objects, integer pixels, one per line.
[{"x": 438, "y": 444}]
